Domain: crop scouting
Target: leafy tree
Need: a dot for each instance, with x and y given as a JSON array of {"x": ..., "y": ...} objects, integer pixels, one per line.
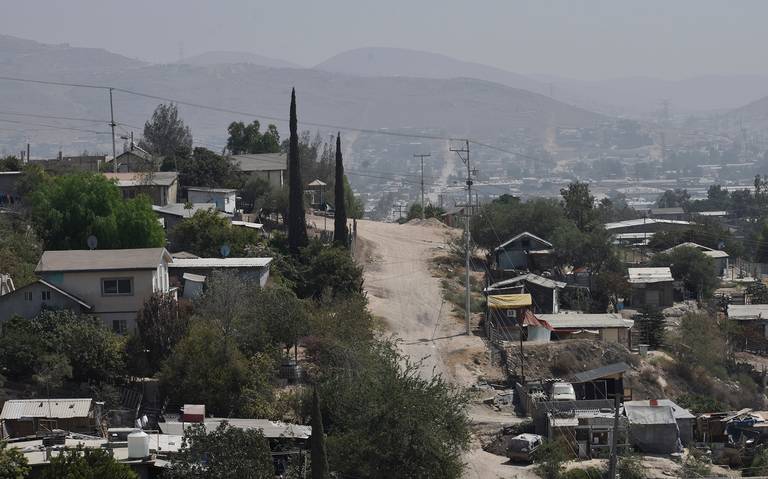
[
  {"x": 700, "y": 342},
  {"x": 761, "y": 250},
  {"x": 362, "y": 386},
  {"x": 224, "y": 453},
  {"x": 692, "y": 267},
  {"x": 340, "y": 232},
  {"x": 13, "y": 463},
  {"x": 759, "y": 465},
  {"x": 353, "y": 205},
  {"x": 695, "y": 465},
  {"x": 207, "y": 168},
  {"x": 70, "y": 208},
  {"x": 631, "y": 467},
  {"x": 285, "y": 316},
  {"x": 508, "y": 216},
  {"x": 161, "y": 323},
  {"x": 328, "y": 269},
  {"x": 652, "y": 326},
  {"x": 167, "y": 136},
  {"x": 248, "y": 139},
  {"x": 579, "y": 204},
  {"x": 207, "y": 231},
  {"x": 318, "y": 452},
  {"x": 674, "y": 198},
  {"x": 550, "y": 458},
  {"x": 297, "y": 226},
  {"x": 52, "y": 370},
  {"x": 758, "y": 292},
  {"x": 430, "y": 211},
  {"x": 31, "y": 178},
  {"x": 87, "y": 463},
  {"x": 10, "y": 163},
  {"x": 255, "y": 194},
  {"x": 205, "y": 369},
  {"x": 698, "y": 404},
  {"x": 20, "y": 250}
]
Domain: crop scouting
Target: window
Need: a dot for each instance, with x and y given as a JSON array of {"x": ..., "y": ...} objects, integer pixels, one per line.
[
  {"x": 117, "y": 286},
  {"x": 28, "y": 295},
  {"x": 45, "y": 295},
  {"x": 120, "y": 326}
]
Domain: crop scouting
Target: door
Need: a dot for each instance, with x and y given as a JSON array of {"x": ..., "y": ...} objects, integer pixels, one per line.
[{"x": 652, "y": 297}]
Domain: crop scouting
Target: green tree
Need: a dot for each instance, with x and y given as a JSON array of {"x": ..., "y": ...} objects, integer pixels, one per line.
[
  {"x": 13, "y": 463},
  {"x": 20, "y": 250},
  {"x": 70, "y": 208},
  {"x": 692, "y": 267},
  {"x": 761, "y": 249},
  {"x": 160, "y": 324},
  {"x": 328, "y": 269},
  {"x": 318, "y": 452},
  {"x": 207, "y": 168},
  {"x": 297, "y": 226},
  {"x": 285, "y": 316},
  {"x": 86, "y": 463},
  {"x": 340, "y": 233},
  {"x": 674, "y": 198},
  {"x": 51, "y": 371},
  {"x": 166, "y": 136},
  {"x": 248, "y": 139},
  {"x": 652, "y": 326},
  {"x": 579, "y": 205},
  {"x": 695, "y": 465},
  {"x": 254, "y": 194},
  {"x": 630, "y": 466},
  {"x": 757, "y": 292},
  {"x": 759, "y": 465},
  {"x": 550, "y": 458},
  {"x": 10, "y": 163},
  {"x": 207, "y": 231},
  {"x": 224, "y": 453}
]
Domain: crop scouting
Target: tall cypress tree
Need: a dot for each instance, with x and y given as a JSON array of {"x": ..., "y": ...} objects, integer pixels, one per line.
[
  {"x": 297, "y": 223},
  {"x": 340, "y": 216},
  {"x": 317, "y": 453}
]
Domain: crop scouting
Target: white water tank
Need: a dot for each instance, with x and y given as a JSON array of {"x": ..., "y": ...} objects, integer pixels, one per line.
[{"x": 138, "y": 445}]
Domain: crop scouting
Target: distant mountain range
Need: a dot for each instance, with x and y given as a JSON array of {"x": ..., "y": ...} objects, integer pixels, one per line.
[{"x": 225, "y": 57}]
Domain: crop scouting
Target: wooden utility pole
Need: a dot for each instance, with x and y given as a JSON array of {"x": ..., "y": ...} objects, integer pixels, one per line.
[
  {"x": 614, "y": 439},
  {"x": 422, "y": 180},
  {"x": 113, "y": 125},
  {"x": 399, "y": 209},
  {"x": 467, "y": 217}
]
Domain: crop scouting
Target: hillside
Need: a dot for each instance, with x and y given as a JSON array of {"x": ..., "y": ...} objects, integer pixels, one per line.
[
  {"x": 753, "y": 116},
  {"x": 230, "y": 57}
]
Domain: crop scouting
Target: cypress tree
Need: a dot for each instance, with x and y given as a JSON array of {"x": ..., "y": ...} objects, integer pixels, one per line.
[
  {"x": 317, "y": 453},
  {"x": 297, "y": 223},
  {"x": 340, "y": 216}
]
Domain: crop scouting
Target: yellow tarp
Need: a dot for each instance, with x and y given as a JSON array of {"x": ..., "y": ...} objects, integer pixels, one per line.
[{"x": 509, "y": 301}]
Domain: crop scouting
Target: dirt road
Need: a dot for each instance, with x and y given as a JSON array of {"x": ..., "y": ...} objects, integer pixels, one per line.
[{"x": 403, "y": 292}]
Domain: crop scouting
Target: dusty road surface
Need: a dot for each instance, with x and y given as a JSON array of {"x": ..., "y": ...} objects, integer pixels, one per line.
[{"x": 404, "y": 293}]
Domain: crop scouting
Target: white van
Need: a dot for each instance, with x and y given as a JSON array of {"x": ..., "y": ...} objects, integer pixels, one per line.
[{"x": 563, "y": 392}]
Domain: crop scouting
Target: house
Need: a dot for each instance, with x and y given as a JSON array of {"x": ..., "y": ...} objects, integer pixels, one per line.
[
  {"x": 29, "y": 300},
  {"x": 522, "y": 252},
  {"x": 28, "y": 417},
  {"x": 160, "y": 186},
  {"x": 173, "y": 213},
  {"x": 684, "y": 418},
  {"x": 69, "y": 164},
  {"x": 587, "y": 426},
  {"x": 651, "y": 287},
  {"x": 223, "y": 198},
  {"x": 272, "y": 167},
  {"x": 247, "y": 268},
  {"x": 114, "y": 283},
  {"x": 609, "y": 327},
  {"x": 135, "y": 160},
  {"x": 719, "y": 257},
  {"x": 605, "y": 382},
  {"x": 674, "y": 213},
  {"x": 545, "y": 292},
  {"x": 647, "y": 225},
  {"x": 653, "y": 428},
  {"x": 9, "y": 194},
  {"x": 453, "y": 216},
  {"x": 753, "y": 324}
]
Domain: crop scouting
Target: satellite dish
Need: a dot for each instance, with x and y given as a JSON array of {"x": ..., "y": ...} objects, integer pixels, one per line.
[
  {"x": 92, "y": 242},
  {"x": 224, "y": 250}
]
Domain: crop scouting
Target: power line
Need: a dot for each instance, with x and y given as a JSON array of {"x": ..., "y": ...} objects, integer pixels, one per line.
[
  {"x": 55, "y": 127},
  {"x": 53, "y": 117}
]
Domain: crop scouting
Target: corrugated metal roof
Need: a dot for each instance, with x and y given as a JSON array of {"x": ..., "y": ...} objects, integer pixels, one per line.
[
  {"x": 746, "y": 312},
  {"x": 649, "y": 275},
  {"x": 586, "y": 321},
  {"x": 211, "y": 190},
  {"x": 529, "y": 278},
  {"x": 677, "y": 411},
  {"x": 220, "y": 262},
  {"x": 248, "y": 224},
  {"x": 644, "y": 221},
  {"x": 158, "y": 178},
  {"x": 649, "y": 415},
  {"x": 46, "y": 408},
  {"x": 101, "y": 260},
  {"x": 179, "y": 209},
  {"x": 262, "y": 161},
  {"x": 598, "y": 373},
  {"x": 270, "y": 429}
]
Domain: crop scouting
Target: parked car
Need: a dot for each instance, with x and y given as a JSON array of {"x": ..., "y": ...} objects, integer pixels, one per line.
[
  {"x": 522, "y": 447},
  {"x": 562, "y": 392}
]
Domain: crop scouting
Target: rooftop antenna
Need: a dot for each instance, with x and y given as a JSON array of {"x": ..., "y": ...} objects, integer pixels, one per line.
[{"x": 92, "y": 242}]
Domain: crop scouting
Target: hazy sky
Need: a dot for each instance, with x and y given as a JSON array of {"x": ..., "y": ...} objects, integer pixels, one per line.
[{"x": 577, "y": 38}]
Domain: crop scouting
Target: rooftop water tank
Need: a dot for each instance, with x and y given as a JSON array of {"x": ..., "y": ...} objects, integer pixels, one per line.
[{"x": 138, "y": 445}]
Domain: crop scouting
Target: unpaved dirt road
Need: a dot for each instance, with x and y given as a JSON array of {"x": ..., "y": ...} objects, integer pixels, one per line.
[{"x": 404, "y": 293}]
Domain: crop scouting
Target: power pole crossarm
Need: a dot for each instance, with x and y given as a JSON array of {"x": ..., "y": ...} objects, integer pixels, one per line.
[{"x": 422, "y": 180}]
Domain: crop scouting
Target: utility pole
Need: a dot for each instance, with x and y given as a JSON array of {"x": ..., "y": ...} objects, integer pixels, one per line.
[
  {"x": 467, "y": 216},
  {"x": 614, "y": 439},
  {"x": 113, "y": 125},
  {"x": 28, "y": 157},
  {"x": 422, "y": 180},
  {"x": 399, "y": 210}
]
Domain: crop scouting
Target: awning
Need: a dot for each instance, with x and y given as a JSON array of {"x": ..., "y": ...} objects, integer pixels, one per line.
[
  {"x": 509, "y": 301},
  {"x": 527, "y": 318}
]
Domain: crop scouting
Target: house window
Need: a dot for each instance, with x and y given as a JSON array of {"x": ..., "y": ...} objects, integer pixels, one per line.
[
  {"x": 28, "y": 295},
  {"x": 117, "y": 287},
  {"x": 45, "y": 295},
  {"x": 120, "y": 326}
]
